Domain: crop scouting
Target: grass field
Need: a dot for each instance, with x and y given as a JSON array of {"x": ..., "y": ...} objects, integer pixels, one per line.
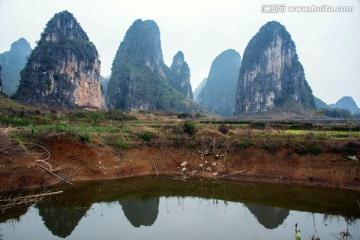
[{"x": 133, "y": 129}]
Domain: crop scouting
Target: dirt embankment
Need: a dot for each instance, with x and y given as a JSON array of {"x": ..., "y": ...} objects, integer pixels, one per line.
[{"x": 77, "y": 161}]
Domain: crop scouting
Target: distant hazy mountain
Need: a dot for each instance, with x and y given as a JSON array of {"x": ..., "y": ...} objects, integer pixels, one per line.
[
  {"x": 198, "y": 89},
  {"x": 12, "y": 62},
  {"x": 271, "y": 74},
  {"x": 320, "y": 104},
  {"x": 0, "y": 81},
  {"x": 63, "y": 71},
  {"x": 104, "y": 81},
  {"x": 219, "y": 93},
  {"x": 347, "y": 103}
]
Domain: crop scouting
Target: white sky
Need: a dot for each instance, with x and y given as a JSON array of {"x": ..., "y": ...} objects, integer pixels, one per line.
[{"x": 328, "y": 44}]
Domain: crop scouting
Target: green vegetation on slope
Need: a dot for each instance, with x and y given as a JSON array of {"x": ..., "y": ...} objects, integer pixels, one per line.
[{"x": 123, "y": 130}]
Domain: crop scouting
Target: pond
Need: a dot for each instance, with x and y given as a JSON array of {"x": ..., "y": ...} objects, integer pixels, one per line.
[{"x": 163, "y": 208}]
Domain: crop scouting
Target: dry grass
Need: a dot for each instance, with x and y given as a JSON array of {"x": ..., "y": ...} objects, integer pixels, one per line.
[{"x": 8, "y": 104}]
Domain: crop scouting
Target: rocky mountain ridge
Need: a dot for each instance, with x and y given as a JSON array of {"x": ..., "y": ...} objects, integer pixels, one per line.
[
  {"x": 180, "y": 79},
  {"x": 271, "y": 74},
  {"x": 63, "y": 71},
  {"x": 140, "y": 80}
]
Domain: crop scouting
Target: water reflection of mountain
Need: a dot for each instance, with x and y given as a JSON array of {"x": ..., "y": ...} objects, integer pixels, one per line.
[
  {"x": 13, "y": 214},
  {"x": 141, "y": 212},
  {"x": 59, "y": 220},
  {"x": 269, "y": 217}
]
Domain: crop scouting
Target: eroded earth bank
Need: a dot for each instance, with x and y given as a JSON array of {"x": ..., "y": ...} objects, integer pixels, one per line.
[{"x": 22, "y": 165}]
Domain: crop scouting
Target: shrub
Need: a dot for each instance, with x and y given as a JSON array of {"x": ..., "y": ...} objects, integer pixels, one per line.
[
  {"x": 145, "y": 112},
  {"x": 178, "y": 140},
  {"x": 42, "y": 120},
  {"x": 309, "y": 149},
  {"x": 145, "y": 135},
  {"x": 190, "y": 127},
  {"x": 15, "y": 121},
  {"x": 199, "y": 115},
  {"x": 16, "y": 138},
  {"x": 310, "y": 137},
  {"x": 223, "y": 128},
  {"x": 184, "y": 115},
  {"x": 314, "y": 149},
  {"x": 301, "y": 151},
  {"x": 244, "y": 144},
  {"x": 96, "y": 117},
  {"x": 302, "y": 126},
  {"x": 117, "y": 115},
  {"x": 258, "y": 125},
  {"x": 337, "y": 113},
  {"x": 85, "y": 138},
  {"x": 176, "y": 129},
  {"x": 351, "y": 147},
  {"x": 272, "y": 147},
  {"x": 192, "y": 145},
  {"x": 76, "y": 115},
  {"x": 121, "y": 144}
]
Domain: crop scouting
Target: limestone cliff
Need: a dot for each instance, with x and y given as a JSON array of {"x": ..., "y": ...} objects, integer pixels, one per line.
[
  {"x": 141, "y": 80},
  {"x": 63, "y": 71},
  {"x": 271, "y": 74},
  {"x": 218, "y": 95},
  {"x": 13, "y": 62},
  {"x": 180, "y": 79}
]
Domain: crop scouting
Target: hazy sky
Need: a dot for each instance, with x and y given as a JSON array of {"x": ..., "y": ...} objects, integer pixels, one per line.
[{"x": 328, "y": 44}]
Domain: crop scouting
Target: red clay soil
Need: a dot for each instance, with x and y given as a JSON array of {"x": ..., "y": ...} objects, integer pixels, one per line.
[{"x": 78, "y": 161}]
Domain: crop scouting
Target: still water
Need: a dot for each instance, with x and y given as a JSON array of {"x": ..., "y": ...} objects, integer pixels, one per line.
[{"x": 144, "y": 208}]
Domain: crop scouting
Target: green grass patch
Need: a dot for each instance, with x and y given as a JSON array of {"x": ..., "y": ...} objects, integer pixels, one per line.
[
  {"x": 67, "y": 128},
  {"x": 15, "y": 121},
  {"x": 335, "y": 134}
]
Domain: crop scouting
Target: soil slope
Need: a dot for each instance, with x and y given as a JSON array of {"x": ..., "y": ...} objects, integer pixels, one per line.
[{"x": 77, "y": 161}]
